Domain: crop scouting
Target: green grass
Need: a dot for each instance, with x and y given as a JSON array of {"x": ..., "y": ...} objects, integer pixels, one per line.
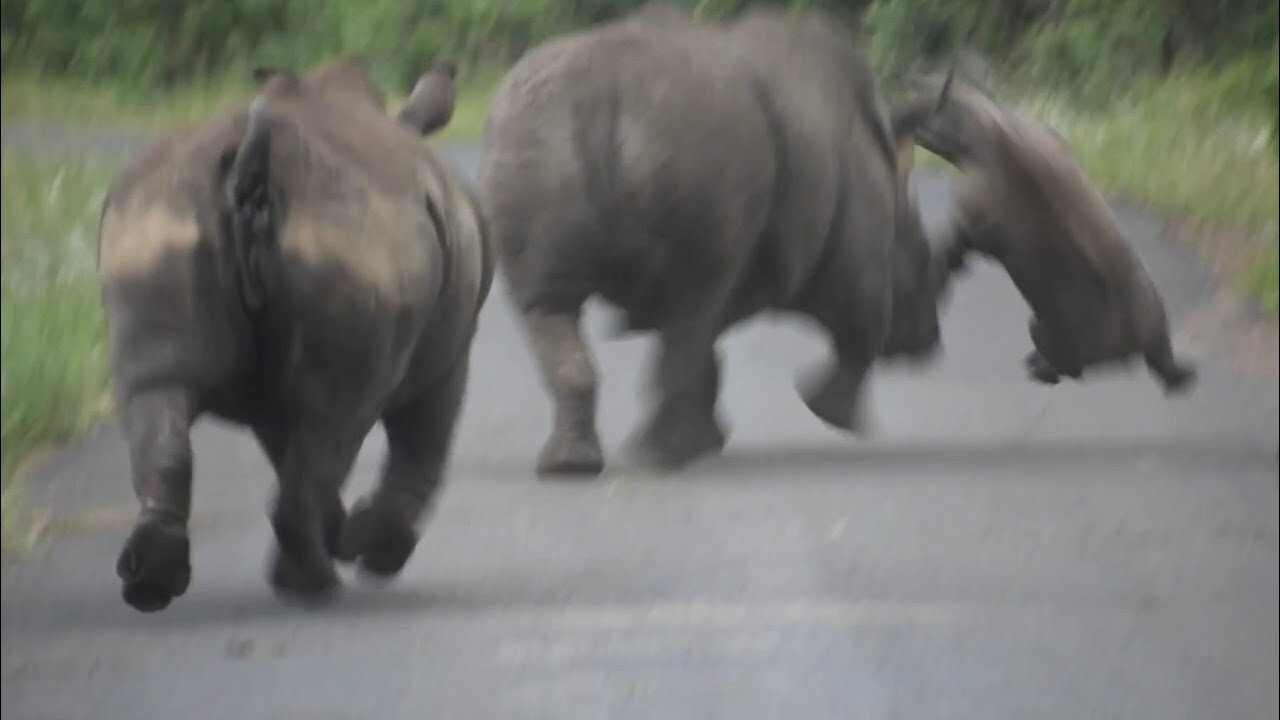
[
  {"x": 29, "y": 96},
  {"x": 53, "y": 370},
  {"x": 474, "y": 92},
  {"x": 1263, "y": 280},
  {"x": 1175, "y": 147}
]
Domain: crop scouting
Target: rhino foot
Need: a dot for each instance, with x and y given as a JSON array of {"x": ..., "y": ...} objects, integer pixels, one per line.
[
  {"x": 307, "y": 584},
  {"x": 378, "y": 538},
  {"x": 1176, "y": 375},
  {"x": 1040, "y": 370},
  {"x": 155, "y": 563},
  {"x": 835, "y": 399},
  {"x": 571, "y": 456},
  {"x": 667, "y": 447},
  {"x": 1178, "y": 378}
]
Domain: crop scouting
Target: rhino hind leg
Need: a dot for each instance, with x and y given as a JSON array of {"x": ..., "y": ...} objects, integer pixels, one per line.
[
  {"x": 312, "y": 465},
  {"x": 684, "y": 426},
  {"x": 382, "y": 531},
  {"x": 155, "y": 563},
  {"x": 569, "y": 374}
]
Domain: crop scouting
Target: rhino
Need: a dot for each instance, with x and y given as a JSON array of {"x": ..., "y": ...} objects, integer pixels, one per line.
[
  {"x": 692, "y": 175},
  {"x": 1024, "y": 201},
  {"x": 304, "y": 267}
]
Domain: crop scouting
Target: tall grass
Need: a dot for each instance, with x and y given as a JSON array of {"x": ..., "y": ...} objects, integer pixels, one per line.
[
  {"x": 1177, "y": 147},
  {"x": 33, "y": 97},
  {"x": 53, "y": 370}
]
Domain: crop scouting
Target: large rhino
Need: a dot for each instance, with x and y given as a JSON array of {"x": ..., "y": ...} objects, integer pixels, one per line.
[
  {"x": 692, "y": 175},
  {"x": 1023, "y": 200},
  {"x": 305, "y": 267}
]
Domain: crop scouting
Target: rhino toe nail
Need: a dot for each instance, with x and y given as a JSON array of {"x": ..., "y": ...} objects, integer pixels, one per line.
[{"x": 127, "y": 568}]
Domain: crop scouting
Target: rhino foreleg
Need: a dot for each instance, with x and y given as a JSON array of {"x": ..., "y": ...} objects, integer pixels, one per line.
[
  {"x": 851, "y": 308},
  {"x": 1052, "y": 358},
  {"x": 569, "y": 374},
  {"x": 833, "y": 391},
  {"x": 683, "y": 426}
]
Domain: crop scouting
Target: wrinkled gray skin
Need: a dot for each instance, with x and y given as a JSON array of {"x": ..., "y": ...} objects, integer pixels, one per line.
[
  {"x": 306, "y": 268},
  {"x": 430, "y": 105},
  {"x": 1024, "y": 201},
  {"x": 693, "y": 175}
]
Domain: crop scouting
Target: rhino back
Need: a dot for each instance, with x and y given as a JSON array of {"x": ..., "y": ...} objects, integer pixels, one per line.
[
  {"x": 834, "y": 147},
  {"x": 1060, "y": 235},
  {"x": 626, "y": 146},
  {"x": 348, "y": 75},
  {"x": 355, "y": 205}
]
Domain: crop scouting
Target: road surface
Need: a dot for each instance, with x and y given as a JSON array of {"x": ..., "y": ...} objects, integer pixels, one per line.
[{"x": 998, "y": 549}]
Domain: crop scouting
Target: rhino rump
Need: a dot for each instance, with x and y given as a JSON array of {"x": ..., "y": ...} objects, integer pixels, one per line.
[{"x": 590, "y": 190}]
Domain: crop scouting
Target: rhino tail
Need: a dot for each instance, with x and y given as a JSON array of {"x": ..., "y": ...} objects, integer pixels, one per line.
[{"x": 253, "y": 201}]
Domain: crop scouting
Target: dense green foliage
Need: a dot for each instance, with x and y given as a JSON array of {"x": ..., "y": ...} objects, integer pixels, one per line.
[{"x": 1090, "y": 45}]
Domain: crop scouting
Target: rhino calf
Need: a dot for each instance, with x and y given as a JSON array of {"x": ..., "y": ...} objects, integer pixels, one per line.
[
  {"x": 693, "y": 174},
  {"x": 1023, "y": 200},
  {"x": 307, "y": 268}
]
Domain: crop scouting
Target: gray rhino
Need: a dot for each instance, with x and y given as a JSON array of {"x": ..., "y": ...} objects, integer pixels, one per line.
[
  {"x": 304, "y": 267},
  {"x": 692, "y": 175},
  {"x": 1023, "y": 200}
]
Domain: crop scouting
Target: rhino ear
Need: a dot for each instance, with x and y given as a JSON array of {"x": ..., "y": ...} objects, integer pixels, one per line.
[
  {"x": 263, "y": 73},
  {"x": 430, "y": 105},
  {"x": 448, "y": 68}
]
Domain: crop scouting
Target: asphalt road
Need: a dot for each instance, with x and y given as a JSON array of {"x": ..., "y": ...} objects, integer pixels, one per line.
[{"x": 998, "y": 549}]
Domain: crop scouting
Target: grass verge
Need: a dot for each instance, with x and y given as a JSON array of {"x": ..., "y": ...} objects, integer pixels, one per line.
[
  {"x": 1178, "y": 149},
  {"x": 53, "y": 365},
  {"x": 30, "y": 96}
]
